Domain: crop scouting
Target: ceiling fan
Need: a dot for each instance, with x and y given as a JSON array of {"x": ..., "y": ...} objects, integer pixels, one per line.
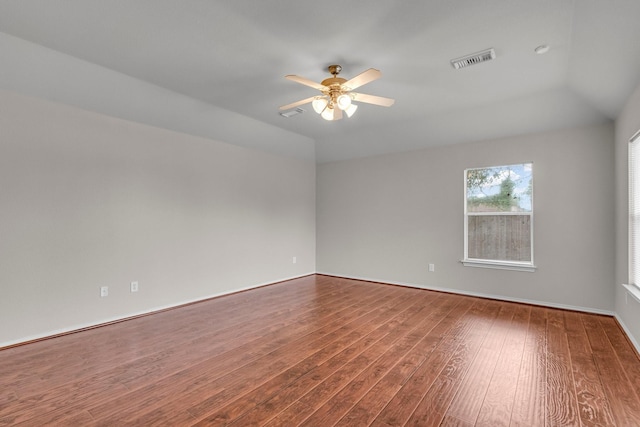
[{"x": 337, "y": 96}]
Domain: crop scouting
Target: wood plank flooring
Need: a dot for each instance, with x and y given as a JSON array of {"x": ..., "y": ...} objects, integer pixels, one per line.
[{"x": 325, "y": 351}]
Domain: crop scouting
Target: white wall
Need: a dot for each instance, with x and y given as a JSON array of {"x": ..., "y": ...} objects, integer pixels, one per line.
[
  {"x": 627, "y": 308},
  {"x": 386, "y": 217},
  {"x": 87, "y": 200}
]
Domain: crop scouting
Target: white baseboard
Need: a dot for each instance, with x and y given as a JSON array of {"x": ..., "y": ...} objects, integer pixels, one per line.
[
  {"x": 628, "y": 333},
  {"x": 482, "y": 295},
  {"x": 103, "y": 322}
]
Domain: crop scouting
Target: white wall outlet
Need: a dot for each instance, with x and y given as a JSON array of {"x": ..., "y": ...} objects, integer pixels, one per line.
[
  {"x": 134, "y": 286},
  {"x": 432, "y": 267},
  {"x": 295, "y": 259},
  {"x": 104, "y": 291}
]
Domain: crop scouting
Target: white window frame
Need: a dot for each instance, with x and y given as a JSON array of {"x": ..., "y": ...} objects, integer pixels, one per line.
[
  {"x": 527, "y": 266},
  {"x": 634, "y": 216}
]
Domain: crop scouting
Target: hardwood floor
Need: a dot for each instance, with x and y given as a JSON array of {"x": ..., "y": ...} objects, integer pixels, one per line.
[{"x": 323, "y": 351}]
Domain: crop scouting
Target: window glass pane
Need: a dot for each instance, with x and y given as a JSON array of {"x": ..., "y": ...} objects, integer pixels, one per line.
[
  {"x": 500, "y": 189},
  {"x": 499, "y": 237}
]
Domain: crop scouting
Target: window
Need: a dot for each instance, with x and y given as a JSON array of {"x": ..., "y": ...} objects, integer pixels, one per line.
[
  {"x": 498, "y": 217},
  {"x": 634, "y": 215}
]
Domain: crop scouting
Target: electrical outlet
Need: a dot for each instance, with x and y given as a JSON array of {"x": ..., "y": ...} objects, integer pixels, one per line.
[
  {"x": 134, "y": 286},
  {"x": 295, "y": 260},
  {"x": 104, "y": 291},
  {"x": 432, "y": 267}
]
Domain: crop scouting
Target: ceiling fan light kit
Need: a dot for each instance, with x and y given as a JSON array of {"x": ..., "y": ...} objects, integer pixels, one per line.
[
  {"x": 331, "y": 113},
  {"x": 343, "y": 101},
  {"x": 337, "y": 96},
  {"x": 352, "y": 109},
  {"x": 319, "y": 104}
]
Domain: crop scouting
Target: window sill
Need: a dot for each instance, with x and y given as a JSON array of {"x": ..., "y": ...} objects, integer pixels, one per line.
[
  {"x": 516, "y": 266},
  {"x": 634, "y": 291}
]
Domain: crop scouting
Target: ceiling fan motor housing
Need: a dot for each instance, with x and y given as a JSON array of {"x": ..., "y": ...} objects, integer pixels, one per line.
[{"x": 333, "y": 81}]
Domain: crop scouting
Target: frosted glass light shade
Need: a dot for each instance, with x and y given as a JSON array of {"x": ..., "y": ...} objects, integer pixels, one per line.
[
  {"x": 319, "y": 105},
  {"x": 343, "y": 101},
  {"x": 328, "y": 114},
  {"x": 352, "y": 109}
]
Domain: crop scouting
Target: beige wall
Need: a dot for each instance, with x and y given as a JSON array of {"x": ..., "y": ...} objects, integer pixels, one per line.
[
  {"x": 88, "y": 201},
  {"x": 627, "y": 308},
  {"x": 387, "y": 217}
]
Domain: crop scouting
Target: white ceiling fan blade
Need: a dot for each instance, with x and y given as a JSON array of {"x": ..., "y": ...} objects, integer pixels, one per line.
[
  {"x": 363, "y": 78},
  {"x": 372, "y": 99},
  {"x": 305, "y": 82},
  {"x": 295, "y": 104}
]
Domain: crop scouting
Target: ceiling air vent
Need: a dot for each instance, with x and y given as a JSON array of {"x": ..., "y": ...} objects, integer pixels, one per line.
[
  {"x": 291, "y": 113},
  {"x": 474, "y": 58}
]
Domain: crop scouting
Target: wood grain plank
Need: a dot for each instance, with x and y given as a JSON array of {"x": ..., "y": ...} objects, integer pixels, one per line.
[
  {"x": 529, "y": 406},
  {"x": 404, "y": 402},
  {"x": 339, "y": 379},
  {"x": 620, "y": 392},
  {"x": 434, "y": 404},
  {"x": 623, "y": 348},
  {"x": 592, "y": 402},
  {"x": 264, "y": 392},
  {"x": 288, "y": 395},
  {"x": 469, "y": 399},
  {"x": 7, "y": 397},
  {"x": 373, "y": 322},
  {"x": 498, "y": 402},
  {"x": 257, "y": 338},
  {"x": 365, "y": 411},
  {"x": 59, "y": 400},
  {"x": 61, "y": 418},
  {"x": 222, "y": 377},
  {"x": 450, "y": 421},
  {"x": 336, "y": 407},
  {"x": 562, "y": 404}
]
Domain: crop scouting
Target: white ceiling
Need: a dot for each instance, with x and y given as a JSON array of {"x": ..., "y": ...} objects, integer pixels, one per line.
[{"x": 216, "y": 68}]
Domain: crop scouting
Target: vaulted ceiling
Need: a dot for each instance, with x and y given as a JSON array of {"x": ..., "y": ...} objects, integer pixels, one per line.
[{"x": 216, "y": 68}]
